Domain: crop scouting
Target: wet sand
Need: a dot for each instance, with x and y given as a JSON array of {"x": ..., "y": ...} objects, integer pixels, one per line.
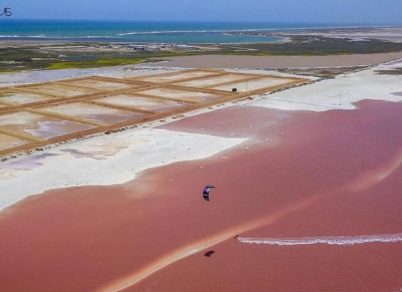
[
  {"x": 258, "y": 62},
  {"x": 302, "y": 174}
]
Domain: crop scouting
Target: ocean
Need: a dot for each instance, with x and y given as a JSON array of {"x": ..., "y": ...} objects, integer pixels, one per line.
[{"x": 145, "y": 31}]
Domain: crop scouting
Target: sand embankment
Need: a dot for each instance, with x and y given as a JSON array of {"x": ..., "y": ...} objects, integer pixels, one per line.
[{"x": 268, "y": 62}]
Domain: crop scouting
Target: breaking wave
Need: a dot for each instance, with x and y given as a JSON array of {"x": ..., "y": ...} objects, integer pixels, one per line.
[
  {"x": 196, "y": 31},
  {"x": 55, "y": 36},
  {"x": 229, "y": 30},
  {"x": 329, "y": 240}
]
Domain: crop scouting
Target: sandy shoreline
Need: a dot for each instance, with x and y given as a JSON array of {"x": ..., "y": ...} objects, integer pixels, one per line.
[{"x": 270, "y": 62}]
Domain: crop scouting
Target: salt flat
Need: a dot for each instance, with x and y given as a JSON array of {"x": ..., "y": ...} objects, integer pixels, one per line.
[
  {"x": 338, "y": 93},
  {"x": 117, "y": 158}
]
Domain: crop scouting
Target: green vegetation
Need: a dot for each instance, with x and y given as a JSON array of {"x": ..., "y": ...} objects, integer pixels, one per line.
[
  {"x": 317, "y": 45},
  {"x": 322, "y": 72},
  {"x": 87, "y": 55},
  {"x": 95, "y": 63},
  {"x": 51, "y": 57},
  {"x": 13, "y": 59}
]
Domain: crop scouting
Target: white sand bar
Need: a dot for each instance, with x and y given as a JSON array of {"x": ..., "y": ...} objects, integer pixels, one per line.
[
  {"x": 338, "y": 93},
  {"x": 103, "y": 160}
]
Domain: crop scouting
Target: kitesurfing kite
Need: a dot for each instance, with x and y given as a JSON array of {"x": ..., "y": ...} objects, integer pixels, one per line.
[{"x": 205, "y": 192}]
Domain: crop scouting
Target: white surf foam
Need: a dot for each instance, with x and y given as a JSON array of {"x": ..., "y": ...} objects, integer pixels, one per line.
[{"x": 329, "y": 240}]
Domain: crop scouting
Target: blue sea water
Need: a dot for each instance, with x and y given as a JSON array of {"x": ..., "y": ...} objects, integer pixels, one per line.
[{"x": 143, "y": 31}]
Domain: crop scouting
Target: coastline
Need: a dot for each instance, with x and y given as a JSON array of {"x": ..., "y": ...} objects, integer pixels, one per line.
[
  {"x": 124, "y": 210},
  {"x": 159, "y": 28},
  {"x": 351, "y": 46}
]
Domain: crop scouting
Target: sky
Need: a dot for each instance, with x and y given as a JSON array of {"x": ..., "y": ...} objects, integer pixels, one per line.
[{"x": 317, "y": 11}]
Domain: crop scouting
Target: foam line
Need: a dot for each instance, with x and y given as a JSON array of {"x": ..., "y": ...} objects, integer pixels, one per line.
[
  {"x": 185, "y": 251},
  {"x": 195, "y": 247},
  {"x": 329, "y": 240}
]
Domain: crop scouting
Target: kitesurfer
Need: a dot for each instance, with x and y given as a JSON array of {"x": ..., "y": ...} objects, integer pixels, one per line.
[{"x": 205, "y": 192}]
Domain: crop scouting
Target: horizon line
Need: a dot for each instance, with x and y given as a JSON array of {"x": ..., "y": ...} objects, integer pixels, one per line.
[{"x": 209, "y": 21}]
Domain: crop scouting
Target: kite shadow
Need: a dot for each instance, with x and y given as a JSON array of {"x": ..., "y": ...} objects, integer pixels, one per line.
[{"x": 209, "y": 253}]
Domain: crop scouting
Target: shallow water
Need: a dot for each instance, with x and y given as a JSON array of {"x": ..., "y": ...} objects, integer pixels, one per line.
[{"x": 145, "y": 31}]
